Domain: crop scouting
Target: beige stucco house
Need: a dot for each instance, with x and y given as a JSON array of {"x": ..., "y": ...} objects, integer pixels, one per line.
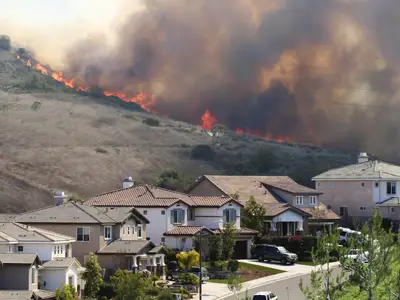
[
  {"x": 291, "y": 208},
  {"x": 355, "y": 190}
]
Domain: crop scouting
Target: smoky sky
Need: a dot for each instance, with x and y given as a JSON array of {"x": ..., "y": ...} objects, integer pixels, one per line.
[{"x": 322, "y": 72}]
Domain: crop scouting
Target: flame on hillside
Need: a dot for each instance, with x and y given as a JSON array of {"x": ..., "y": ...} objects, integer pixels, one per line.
[{"x": 208, "y": 120}]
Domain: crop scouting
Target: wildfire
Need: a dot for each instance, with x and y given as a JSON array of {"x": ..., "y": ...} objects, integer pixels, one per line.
[
  {"x": 146, "y": 101},
  {"x": 267, "y": 136},
  {"x": 208, "y": 120}
]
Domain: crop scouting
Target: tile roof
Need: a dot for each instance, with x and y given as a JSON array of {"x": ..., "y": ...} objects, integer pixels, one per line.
[
  {"x": 279, "y": 208},
  {"x": 69, "y": 212},
  {"x": 371, "y": 170},
  {"x": 241, "y": 231},
  {"x": 126, "y": 246},
  {"x": 62, "y": 262},
  {"x": 321, "y": 212},
  {"x": 149, "y": 196},
  {"x": 16, "y": 232},
  {"x": 18, "y": 258},
  {"x": 185, "y": 230}
]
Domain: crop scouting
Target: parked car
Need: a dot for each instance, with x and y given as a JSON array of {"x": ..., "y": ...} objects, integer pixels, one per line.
[
  {"x": 174, "y": 273},
  {"x": 357, "y": 255},
  {"x": 264, "y": 296},
  {"x": 345, "y": 234},
  {"x": 274, "y": 253}
]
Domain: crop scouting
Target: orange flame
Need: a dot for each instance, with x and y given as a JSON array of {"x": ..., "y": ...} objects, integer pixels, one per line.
[
  {"x": 266, "y": 136},
  {"x": 239, "y": 131},
  {"x": 208, "y": 120}
]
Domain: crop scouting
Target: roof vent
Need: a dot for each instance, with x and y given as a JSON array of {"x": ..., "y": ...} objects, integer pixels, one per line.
[
  {"x": 363, "y": 157},
  {"x": 128, "y": 183}
]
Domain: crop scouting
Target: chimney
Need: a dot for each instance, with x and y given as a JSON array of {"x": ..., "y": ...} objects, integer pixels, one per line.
[
  {"x": 60, "y": 198},
  {"x": 362, "y": 158},
  {"x": 128, "y": 182}
]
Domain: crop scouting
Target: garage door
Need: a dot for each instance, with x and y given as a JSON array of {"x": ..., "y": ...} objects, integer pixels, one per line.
[{"x": 240, "y": 250}]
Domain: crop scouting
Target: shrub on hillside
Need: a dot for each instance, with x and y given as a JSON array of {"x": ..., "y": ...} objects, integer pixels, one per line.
[
  {"x": 151, "y": 122},
  {"x": 5, "y": 43},
  {"x": 204, "y": 152}
]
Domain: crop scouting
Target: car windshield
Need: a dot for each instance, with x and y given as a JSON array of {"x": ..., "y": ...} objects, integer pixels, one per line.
[
  {"x": 282, "y": 250},
  {"x": 259, "y": 297}
]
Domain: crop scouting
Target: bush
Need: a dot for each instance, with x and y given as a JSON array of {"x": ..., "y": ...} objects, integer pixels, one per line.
[
  {"x": 233, "y": 265},
  {"x": 153, "y": 291},
  {"x": 165, "y": 295},
  {"x": 5, "y": 43},
  {"x": 151, "y": 122},
  {"x": 103, "y": 298},
  {"x": 106, "y": 291},
  {"x": 204, "y": 152},
  {"x": 188, "y": 278},
  {"x": 222, "y": 265}
]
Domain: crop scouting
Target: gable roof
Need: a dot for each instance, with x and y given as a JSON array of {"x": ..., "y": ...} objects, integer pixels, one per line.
[
  {"x": 121, "y": 213},
  {"x": 12, "y": 232},
  {"x": 127, "y": 246},
  {"x": 369, "y": 170},
  {"x": 62, "y": 262},
  {"x": 149, "y": 196},
  {"x": 186, "y": 230},
  {"x": 19, "y": 258},
  {"x": 321, "y": 212}
]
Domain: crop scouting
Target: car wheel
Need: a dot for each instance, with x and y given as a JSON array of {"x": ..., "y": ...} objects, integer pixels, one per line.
[
  {"x": 170, "y": 277},
  {"x": 283, "y": 261},
  {"x": 261, "y": 258},
  {"x": 292, "y": 262}
]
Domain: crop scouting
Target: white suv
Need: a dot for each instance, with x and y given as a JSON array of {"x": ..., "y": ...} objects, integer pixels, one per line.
[{"x": 264, "y": 296}]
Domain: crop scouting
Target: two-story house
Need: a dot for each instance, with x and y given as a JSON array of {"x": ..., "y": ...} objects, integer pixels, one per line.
[
  {"x": 116, "y": 234},
  {"x": 53, "y": 249},
  {"x": 175, "y": 218},
  {"x": 290, "y": 207},
  {"x": 355, "y": 190},
  {"x": 19, "y": 277}
]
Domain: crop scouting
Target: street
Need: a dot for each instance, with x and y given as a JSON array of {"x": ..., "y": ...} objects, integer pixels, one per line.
[{"x": 285, "y": 289}]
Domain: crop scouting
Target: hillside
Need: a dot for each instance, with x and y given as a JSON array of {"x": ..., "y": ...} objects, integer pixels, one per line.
[{"x": 53, "y": 138}]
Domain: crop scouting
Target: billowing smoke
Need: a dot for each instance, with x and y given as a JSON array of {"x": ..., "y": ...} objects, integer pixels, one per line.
[{"x": 324, "y": 72}]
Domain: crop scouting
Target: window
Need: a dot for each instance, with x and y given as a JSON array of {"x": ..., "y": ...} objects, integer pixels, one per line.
[
  {"x": 145, "y": 212},
  {"x": 313, "y": 200},
  {"x": 71, "y": 280},
  {"x": 343, "y": 211},
  {"x": 229, "y": 215},
  {"x": 392, "y": 210},
  {"x": 33, "y": 273},
  {"x": 82, "y": 234},
  {"x": 129, "y": 229},
  {"x": 20, "y": 249},
  {"x": 363, "y": 208},
  {"x": 61, "y": 249},
  {"x": 139, "y": 231},
  {"x": 133, "y": 230},
  {"x": 299, "y": 200},
  {"x": 107, "y": 232},
  {"x": 362, "y": 184},
  {"x": 163, "y": 240},
  {"x": 58, "y": 249},
  {"x": 318, "y": 184},
  {"x": 391, "y": 188},
  {"x": 163, "y": 212},
  {"x": 376, "y": 184},
  {"x": 55, "y": 250},
  {"x": 191, "y": 214},
  {"x": 177, "y": 216},
  {"x": 331, "y": 184}
]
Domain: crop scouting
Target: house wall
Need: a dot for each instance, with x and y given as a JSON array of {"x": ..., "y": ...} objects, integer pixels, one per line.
[
  {"x": 213, "y": 217},
  {"x": 112, "y": 262},
  {"x": 4, "y": 248},
  {"x": 183, "y": 243},
  {"x": 15, "y": 277},
  {"x": 43, "y": 250},
  {"x": 205, "y": 188},
  {"x": 132, "y": 224},
  {"x": 53, "y": 278},
  {"x": 348, "y": 193},
  {"x": 79, "y": 249},
  {"x": 380, "y": 192}
]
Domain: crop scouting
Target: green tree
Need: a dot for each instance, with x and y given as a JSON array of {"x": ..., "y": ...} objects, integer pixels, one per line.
[
  {"x": 188, "y": 259},
  {"x": 66, "y": 293},
  {"x": 215, "y": 248},
  {"x": 228, "y": 237},
  {"x": 92, "y": 276},
  {"x": 172, "y": 180},
  {"x": 234, "y": 285},
  {"x": 129, "y": 286},
  {"x": 377, "y": 248},
  {"x": 323, "y": 284},
  {"x": 253, "y": 215}
]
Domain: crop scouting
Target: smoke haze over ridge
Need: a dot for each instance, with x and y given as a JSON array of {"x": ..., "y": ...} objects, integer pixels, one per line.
[{"x": 324, "y": 72}]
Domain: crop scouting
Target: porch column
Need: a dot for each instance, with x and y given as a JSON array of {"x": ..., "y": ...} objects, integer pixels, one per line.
[
  {"x": 154, "y": 264},
  {"x": 162, "y": 261},
  {"x": 134, "y": 264},
  {"x": 249, "y": 243}
]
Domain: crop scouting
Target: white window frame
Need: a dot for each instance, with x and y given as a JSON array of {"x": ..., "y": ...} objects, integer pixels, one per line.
[
  {"x": 140, "y": 230},
  {"x": 180, "y": 216},
  {"x": 299, "y": 200},
  {"x": 313, "y": 200},
  {"x": 393, "y": 188},
  {"x": 107, "y": 238},
  {"x": 228, "y": 218},
  {"x": 83, "y": 234}
]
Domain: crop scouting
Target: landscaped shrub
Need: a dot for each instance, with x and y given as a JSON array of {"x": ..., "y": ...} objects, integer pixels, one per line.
[
  {"x": 151, "y": 122},
  {"x": 233, "y": 265},
  {"x": 188, "y": 278},
  {"x": 165, "y": 295},
  {"x": 222, "y": 264}
]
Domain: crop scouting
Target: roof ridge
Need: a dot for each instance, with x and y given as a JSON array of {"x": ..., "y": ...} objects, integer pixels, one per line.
[
  {"x": 114, "y": 191},
  {"x": 41, "y": 231},
  {"x": 76, "y": 205},
  {"x": 7, "y": 237}
]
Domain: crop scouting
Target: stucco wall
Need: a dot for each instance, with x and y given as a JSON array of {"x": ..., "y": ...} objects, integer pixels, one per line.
[
  {"x": 16, "y": 277},
  {"x": 175, "y": 242}
]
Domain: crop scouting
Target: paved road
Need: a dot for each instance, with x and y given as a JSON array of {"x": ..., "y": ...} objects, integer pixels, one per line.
[{"x": 287, "y": 289}]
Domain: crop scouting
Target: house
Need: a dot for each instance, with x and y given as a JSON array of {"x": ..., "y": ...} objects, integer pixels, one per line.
[
  {"x": 116, "y": 234},
  {"x": 52, "y": 248},
  {"x": 291, "y": 208},
  {"x": 175, "y": 218},
  {"x": 19, "y": 277},
  {"x": 355, "y": 190}
]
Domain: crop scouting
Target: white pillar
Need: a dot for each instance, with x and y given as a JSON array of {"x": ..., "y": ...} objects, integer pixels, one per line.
[
  {"x": 134, "y": 263},
  {"x": 154, "y": 261},
  {"x": 162, "y": 261}
]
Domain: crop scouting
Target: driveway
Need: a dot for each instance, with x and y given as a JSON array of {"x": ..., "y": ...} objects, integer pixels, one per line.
[{"x": 276, "y": 265}]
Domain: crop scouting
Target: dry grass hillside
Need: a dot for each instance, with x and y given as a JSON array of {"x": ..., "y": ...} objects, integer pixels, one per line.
[{"x": 54, "y": 139}]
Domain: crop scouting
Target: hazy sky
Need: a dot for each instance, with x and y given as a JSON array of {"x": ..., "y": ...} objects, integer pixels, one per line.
[{"x": 51, "y": 26}]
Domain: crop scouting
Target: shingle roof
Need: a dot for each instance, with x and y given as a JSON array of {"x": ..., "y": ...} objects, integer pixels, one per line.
[
  {"x": 156, "y": 249},
  {"x": 16, "y": 232},
  {"x": 69, "y": 212},
  {"x": 149, "y": 196},
  {"x": 26, "y": 295},
  {"x": 185, "y": 230},
  {"x": 371, "y": 170},
  {"x": 62, "y": 262},
  {"x": 126, "y": 246},
  {"x": 121, "y": 213},
  {"x": 8, "y": 217},
  {"x": 392, "y": 201},
  {"x": 321, "y": 212},
  {"x": 18, "y": 258}
]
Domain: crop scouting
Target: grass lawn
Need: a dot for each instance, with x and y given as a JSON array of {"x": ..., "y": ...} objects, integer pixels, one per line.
[{"x": 249, "y": 272}]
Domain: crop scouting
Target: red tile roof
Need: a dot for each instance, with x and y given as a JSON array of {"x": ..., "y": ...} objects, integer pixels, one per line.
[
  {"x": 321, "y": 212},
  {"x": 185, "y": 230},
  {"x": 241, "y": 231}
]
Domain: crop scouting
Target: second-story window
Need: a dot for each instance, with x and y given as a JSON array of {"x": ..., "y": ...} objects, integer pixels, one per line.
[
  {"x": 191, "y": 215},
  {"x": 107, "y": 232},
  {"x": 299, "y": 200},
  {"x": 391, "y": 188},
  {"x": 229, "y": 215},
  {"x": 55, "y": 250},
  {"x": 177, "y": 216},
  {"x": 20, "y": 249},
  {"x": 83, "y": 234},
  {"x": 313, "y": 200},
  {"x": 139, "y": 231}
]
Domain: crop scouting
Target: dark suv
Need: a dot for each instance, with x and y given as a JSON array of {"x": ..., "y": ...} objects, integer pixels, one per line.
[{"x": 274, "y": 253}]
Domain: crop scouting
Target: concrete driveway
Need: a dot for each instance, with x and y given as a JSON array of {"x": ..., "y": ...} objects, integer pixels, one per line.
[{"x": 296, "y": 268}]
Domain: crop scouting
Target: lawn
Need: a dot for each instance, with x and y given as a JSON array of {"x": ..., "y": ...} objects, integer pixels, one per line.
[{"x": 249, "y": 272}]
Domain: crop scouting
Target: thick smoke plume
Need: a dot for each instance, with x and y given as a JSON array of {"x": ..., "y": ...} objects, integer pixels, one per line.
[{"x": 324, "y": 72}]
